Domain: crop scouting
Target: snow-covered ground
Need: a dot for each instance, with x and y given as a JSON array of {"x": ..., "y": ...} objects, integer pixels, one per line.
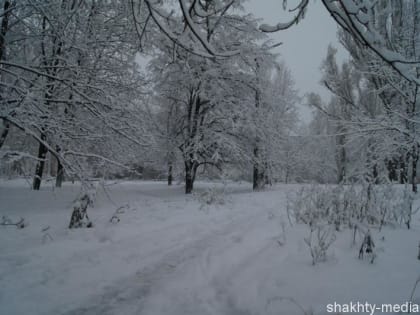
[{"x": 170, "y": 254}]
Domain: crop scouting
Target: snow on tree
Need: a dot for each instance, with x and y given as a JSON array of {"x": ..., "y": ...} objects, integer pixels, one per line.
[
  {"x": 209, "y": 106},
  {"x": 70, "y": 82},
  {"x": 378, "y": 104}
]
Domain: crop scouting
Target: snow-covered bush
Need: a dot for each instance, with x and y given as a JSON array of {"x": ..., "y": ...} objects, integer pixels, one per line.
[
  {"x": 319, "y": 240},
  {"x": 325, "y": 205},
  {"x": 79, "y": 217},
  {"x": 367, "y": 248},
  {"x": 211, "y": 196},
  {"x": 325, "y": 209},
  {"x": 406, "y": 206},
  {"x": 389, "y": 205},
  {"x": 345, "y": 206}
]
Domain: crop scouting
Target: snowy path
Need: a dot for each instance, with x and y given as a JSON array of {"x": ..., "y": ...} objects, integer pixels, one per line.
[
  {"x": 193, "y": 275},
  {"x": 165, "y": 241},
  {"x": 198, "y": 270},
  {"x": 169, "y": 255}
]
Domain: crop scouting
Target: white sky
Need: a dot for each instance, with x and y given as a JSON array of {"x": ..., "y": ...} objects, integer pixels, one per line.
[{"x": 304, "y": 45}]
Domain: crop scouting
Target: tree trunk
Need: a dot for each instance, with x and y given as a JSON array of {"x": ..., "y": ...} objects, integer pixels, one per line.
[
  {"x": 267, "y": 174},
  {"x": 170, "y": 176},
  {"x": 415, "y": 159},
  {"x": 341, "y": 158},
  {"x": 255, "y": 176},
  {"x": 4, "y": 27},
  {"x": 4, "y": 133},
  {"x": 375, "y": 174},
  {"x": 392, "y": 165},
  {"x": 189, "y": 184},
  {"x": 60, "y": 174},
  {"x": 42, "y": 153},
  {"x": 403, "y": 170},
  {"x": 189, "y": 181},
  {"x": 3, "y": 32},
  {"x": 258, "y": 180},
  {"x": 190, "y": 172}
]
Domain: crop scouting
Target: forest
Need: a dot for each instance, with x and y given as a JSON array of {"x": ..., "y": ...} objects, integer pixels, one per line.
[{"x": 150, "y": 145}]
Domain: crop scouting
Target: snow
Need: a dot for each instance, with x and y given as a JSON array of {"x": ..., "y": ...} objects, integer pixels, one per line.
[{"x": 170, "y": 254}]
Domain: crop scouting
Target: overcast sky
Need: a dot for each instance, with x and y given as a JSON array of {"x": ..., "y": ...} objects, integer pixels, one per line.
[{"x": 304, "y": 45}]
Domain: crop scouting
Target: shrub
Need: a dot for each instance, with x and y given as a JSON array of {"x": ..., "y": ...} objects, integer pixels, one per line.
[
  {"x": 211, "y": 196},
  {"x": 319, "y": 240}
]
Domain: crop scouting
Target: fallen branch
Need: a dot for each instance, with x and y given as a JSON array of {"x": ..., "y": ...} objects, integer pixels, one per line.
[{"x": 7, "y": 221}]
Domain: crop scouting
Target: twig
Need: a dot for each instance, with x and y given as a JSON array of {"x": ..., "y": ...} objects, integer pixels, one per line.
[
  {"x": 414, "y": 290},
  {"x": 7, "y": 221}
]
